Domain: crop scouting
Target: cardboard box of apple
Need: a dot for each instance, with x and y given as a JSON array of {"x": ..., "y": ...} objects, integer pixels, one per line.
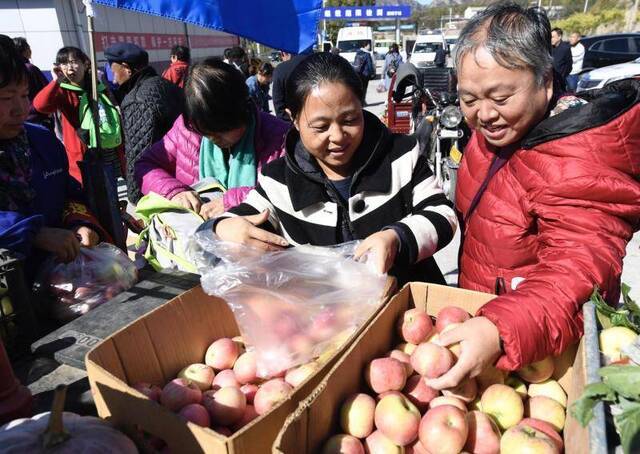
[
  {"x": 492, "y": 413},
  {"x": 224, "y": 392}
]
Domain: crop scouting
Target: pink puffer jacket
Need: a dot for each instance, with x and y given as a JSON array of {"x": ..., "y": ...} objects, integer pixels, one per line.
[{"x": 171, "y": 165}]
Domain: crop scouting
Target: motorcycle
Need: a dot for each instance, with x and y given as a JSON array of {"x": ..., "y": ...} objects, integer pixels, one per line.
[{"x": 435, "y": 119}]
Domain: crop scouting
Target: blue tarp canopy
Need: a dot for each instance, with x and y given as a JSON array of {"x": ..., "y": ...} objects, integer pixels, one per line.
[{"x": 281, "y": 24}]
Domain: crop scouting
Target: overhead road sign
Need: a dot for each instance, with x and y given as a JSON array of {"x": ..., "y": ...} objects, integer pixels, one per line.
[{"x": 366, "y": 12}]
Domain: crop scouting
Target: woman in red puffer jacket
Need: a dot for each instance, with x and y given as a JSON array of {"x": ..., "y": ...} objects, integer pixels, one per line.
[{"x": 549, "y": 192}]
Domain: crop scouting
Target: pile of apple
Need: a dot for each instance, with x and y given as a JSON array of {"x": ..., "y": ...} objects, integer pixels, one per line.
[
  {"x": 492, "y": 413},
  {"x": 224, "y": 392}
]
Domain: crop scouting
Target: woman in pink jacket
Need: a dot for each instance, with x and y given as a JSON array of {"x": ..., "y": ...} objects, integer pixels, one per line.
[{"x": 221, "y": 135}]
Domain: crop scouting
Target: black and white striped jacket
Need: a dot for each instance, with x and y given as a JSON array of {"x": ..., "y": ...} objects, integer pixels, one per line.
[{"x": 392, "y": 187}]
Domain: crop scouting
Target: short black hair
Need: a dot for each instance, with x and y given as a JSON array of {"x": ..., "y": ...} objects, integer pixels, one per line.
[
  {"x": 182, "y": 53},
  {"x": 558, "y": 31},
  {"x": 216, "y": 97},
  {"x": 12, "y": 67},
  {"x": 237, "y": 52},
  {"x": 313, "y": 71},
  {"x": 69, "y": 53},
  {"x": 265, "y": 69},
  {"x": 21, "y": 44}
]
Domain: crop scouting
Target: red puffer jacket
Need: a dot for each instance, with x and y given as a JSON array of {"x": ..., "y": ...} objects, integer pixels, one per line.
[{"x": 554, "y": 221}]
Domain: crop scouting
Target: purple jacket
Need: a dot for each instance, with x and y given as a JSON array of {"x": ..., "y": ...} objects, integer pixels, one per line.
[{"x": 171, "y": 165}]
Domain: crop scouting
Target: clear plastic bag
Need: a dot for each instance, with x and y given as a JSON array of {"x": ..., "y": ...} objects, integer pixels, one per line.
[
  {"x": 95, "y": 276},
  {"x": 293, "y": 305}
]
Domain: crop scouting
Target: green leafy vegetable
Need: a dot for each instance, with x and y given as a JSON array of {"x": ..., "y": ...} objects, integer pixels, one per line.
[
  {"x": 624, "y": 380},
  {"x": 628, "y": 425},
  {"x": 582, "y": 409},
  {"x": 628, "y": 315}
]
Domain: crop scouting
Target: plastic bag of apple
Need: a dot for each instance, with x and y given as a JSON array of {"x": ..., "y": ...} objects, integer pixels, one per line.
[
  {"x": 290, "y": 305},
  {"x": 492, "y": 413},
  {"x": 94, "y": 277},
  {"x": 224, "y": 392}
]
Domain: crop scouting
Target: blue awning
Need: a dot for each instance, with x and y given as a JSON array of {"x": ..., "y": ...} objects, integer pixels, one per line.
[{"x": 281, "y": 24}]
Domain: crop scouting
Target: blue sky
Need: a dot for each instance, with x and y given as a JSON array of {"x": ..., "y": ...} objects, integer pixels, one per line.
[{"x": 424, "y": 2}]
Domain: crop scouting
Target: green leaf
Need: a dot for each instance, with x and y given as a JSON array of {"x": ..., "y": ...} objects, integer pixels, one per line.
[
  {"x": 623, "y": 379},
  {"x": 628, "y": 425},
  {"x": 582, "y": 409}
]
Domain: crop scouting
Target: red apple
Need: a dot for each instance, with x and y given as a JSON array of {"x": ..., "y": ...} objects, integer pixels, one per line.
[
  {"x": 200, "y": 374},
  {"x": 546, "y": 428},
  {"x": 324, "y": 325},
  {"x": 546, "y": 409},
  {"x": 249, "y": 390},
  {"x": 385, "y": 374},
  {"x": 465, "y": 391},
  {"x": 151, "y": 391},
  {"x": 222, "y": 354},
  {"x": 343, "y": 444},
  {"x": 504, "y": 404},
  {"x": 377, "y": 443},
  {"x": 415, "y": 326},
  {"x": 527, "y": 439},
  {"x": 270, "y": 394},
  {"x": 484, "y": 434},
  {"x": 179, "y": 393},
  {"x": 226, "y": 405},
  {"x": 444, "y": 400},
  {"x": 416, "y": 448},
  {"x": 450, "y": 314},
  {"x": 245, "y": 368},
  {"x": 537, "y": 372},
  {"x": 431, "y": 360},
  {"x": 446, "y": 424},
  {"x": 225, "y": 378},
  {"x": 356, "y": 415},
  {"x": 404, "y": 358},
  {"x": 249, "y": 415},
  {"x": 298, "y": 375},
  {"x": 197, "y": 414},
  {"x": 419, "y": 393},
  {"x": 398, "y": 419}
]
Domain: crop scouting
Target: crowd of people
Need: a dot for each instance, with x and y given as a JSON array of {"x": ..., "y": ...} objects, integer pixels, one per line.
[{"x": 548, "y": 191}]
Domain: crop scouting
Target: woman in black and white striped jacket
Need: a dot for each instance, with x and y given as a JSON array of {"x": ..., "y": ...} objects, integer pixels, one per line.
[{"x": 344, "y": 177}]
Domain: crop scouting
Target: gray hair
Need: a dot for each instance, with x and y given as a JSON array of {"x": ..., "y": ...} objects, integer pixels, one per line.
[{"x": 516, "y": 38}]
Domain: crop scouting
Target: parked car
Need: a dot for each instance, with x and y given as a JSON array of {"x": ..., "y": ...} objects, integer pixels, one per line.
[
  {"x": 607, "y": 50},
  {"x": 600, "y": 77}
]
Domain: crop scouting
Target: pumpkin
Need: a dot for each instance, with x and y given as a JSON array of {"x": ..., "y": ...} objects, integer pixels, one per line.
[{"x": 63, "y": 433}]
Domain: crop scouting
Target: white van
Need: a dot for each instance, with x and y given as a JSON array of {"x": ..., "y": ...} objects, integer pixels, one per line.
[
  {"x": 425, "y": 47},
  {"x": 382, "y": 47},
  {"x": 350, "y": 39}
]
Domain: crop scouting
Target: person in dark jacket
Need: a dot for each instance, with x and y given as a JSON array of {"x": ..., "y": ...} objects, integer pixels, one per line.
[
  {"x": 149, "y": 104},
  {"x": 281, "y": 74},
  {"x": 37, "y": 81},
  {"x": 364, "y": 66},
  {"x": 344, "y": 177},
  {"x": 561, "y": 53},
  {"x": 177, "y": 71},
  {"x": 259, "y": 86},
  {"x": 41, "y": 209}
]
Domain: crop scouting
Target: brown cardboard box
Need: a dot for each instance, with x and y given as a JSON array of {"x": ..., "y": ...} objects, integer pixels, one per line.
[
  {"x": 155, "y": 347},
  {"x": 316, "y": 418}
]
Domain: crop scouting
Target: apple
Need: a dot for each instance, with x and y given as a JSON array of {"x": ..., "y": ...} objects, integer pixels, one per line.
[
  {"x": 431, "y": 360},
  {"x": 300, "y": 343},
  {"x": 222, "y": 354},
  {"x": 444, "y": 400},
  {"x": 324, "y": 325},
  {"x": 151, "y": 391},
  {"x": 546, "y": 409},
  {"x": 270, "y": 394},
  {"x": 546, "y": 428},
  {"x": 415, "y": 325},
  {"x": 527, "y": 439},
  {"x": 406, "y": 347},
  {"x": 249, "y": 390},
  {"x": 549, "y": 388},
  {"x": 518, "y": 385},
  {"x": 385, "y": 374},
  {"x": 226, "y": 405},
  {"x": 197, "y": 414},
  {"x": 357, "y": 415},
  {"x": 456, "y": 349},
  {"x": 300, "y": 374},
  {"x": 419, "y": 393},
  {"x": 445, "y": 426},
  {"x": 245, "y": 368},
  {"x": 404, "y": 358},
  {"x": 225, "y": 378},
  {"x": 537, "y": 372},
  {"x": 504, "y": 404},
  {"x": 200, "y": 374},
  {"x": 466, "y": 391},
  {"x": 179, "y": 393},
  {"x": 450, "y": 314},
  {"x": 476, "y": 404},
  {"x": 343, "y": 444},
  {"x": 249, "y": 415},
  {"x": 285, "y": 325},
  {"x": 489, "y": 376},
  {"x": 484, "y": 434},
  {"x": 613, "y": 340},
  {"x": 416, "y": 448},
  {"x": 398, "y": 419},
  {"x": 378, "y": 443},
  {"x": 222, "y": 430}
]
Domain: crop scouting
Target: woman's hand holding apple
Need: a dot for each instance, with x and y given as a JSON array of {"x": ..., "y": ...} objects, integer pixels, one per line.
[
  {"x": 243, "y": 230},
  {"x": 480, "y": 347}
]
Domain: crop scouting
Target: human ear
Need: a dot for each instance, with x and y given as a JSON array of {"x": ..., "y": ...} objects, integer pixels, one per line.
[{"x": 296, "y": 124}]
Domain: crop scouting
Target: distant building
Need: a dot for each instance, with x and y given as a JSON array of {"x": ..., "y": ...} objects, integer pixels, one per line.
[{"x": 472, "y": 11}]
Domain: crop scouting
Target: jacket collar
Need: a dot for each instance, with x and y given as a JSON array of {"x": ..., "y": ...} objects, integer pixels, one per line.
[
  {"x": 372, "y": 167},
  {"x": 134, "y": 81}
]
